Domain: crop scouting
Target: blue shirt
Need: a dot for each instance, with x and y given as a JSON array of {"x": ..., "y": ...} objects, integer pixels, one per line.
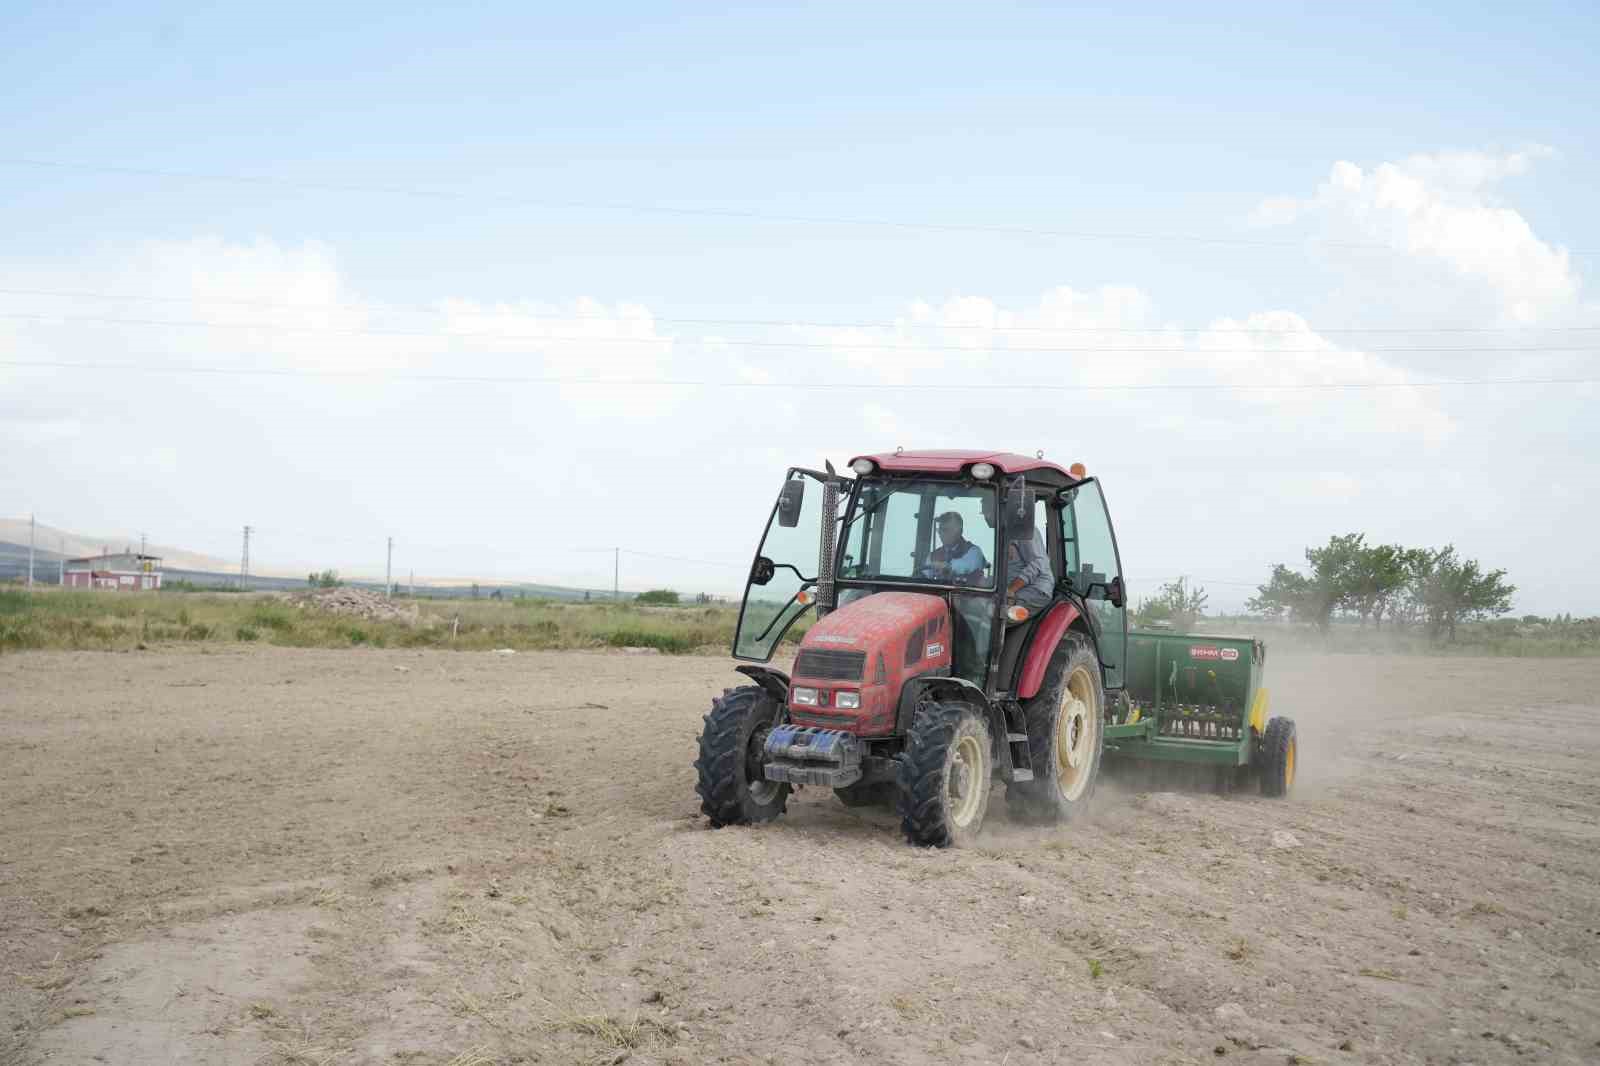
[{"x": 962, "y": 559}]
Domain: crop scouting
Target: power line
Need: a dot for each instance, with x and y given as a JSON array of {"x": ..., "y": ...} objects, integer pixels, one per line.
[
  {"x": 787, "y": 345},
  {"x": 396, "y": 374},
  {"x": 695, "y": 212},
  {"x": 505, "y": 312}
]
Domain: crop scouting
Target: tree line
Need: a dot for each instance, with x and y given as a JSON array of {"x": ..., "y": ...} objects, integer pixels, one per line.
[{"x": 1430, "y": 587}]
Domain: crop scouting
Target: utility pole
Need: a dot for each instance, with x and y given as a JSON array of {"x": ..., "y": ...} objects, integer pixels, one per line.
[
  {"x": 244, "y": 561},
  {"x": 61, "y": 561},
  {"x": 32, "y": 525},
  {"x": 141, "y": 543},
  {"x": 616, "y": 571},
  {"x": 388, "y": 572},
  {"x": 413, "y": 584}
]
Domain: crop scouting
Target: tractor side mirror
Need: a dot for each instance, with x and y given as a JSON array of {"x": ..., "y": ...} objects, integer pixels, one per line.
[
  {"x": 1018, "y": 506},
  {"x": 1115, "y": 592},
  {"x": 790, "y": 501}
]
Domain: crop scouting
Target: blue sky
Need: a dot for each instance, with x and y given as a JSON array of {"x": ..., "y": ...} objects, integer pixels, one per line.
[{"x": 1170, "y": 123}]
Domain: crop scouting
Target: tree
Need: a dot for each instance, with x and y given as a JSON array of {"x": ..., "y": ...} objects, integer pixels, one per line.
[
  {"x": 328, "y": 579},
  {"x": 1174, "y": 602},
  {"x": 662, "y": 596},
  {"x": 1447, "y": 590},
  {"x": 1375, "y": 577},
  {"x": 1285, "y": 593}
]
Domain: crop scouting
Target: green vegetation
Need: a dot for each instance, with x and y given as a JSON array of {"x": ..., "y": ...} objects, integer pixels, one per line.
[
  {"x": 328, "y": 579},
  {"x": 1173, "y": 602},
  {"x": 657, "y": 596},
  {"x": 1431, "y": 588},
  {"x": 121, "y": 621}
]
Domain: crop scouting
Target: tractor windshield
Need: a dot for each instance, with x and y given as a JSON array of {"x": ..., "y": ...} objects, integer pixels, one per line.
[{"x": 939, "y": 532}]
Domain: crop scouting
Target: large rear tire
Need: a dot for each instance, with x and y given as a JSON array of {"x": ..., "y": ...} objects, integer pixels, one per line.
[
  {"x": 946, "y": 773},
  {"x": 1066, "y": 736},
  {"x": 732, "y": 787},
  {"x": 1279, "y": 746}
]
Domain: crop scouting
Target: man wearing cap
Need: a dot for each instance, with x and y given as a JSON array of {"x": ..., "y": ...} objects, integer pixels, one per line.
[{"x": 957, "y": 559}]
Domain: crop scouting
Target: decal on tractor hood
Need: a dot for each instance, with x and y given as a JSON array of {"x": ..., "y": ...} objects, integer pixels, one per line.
[
  {"x": 832, "y": 638},
  {"x": 1207, "y": 651}
]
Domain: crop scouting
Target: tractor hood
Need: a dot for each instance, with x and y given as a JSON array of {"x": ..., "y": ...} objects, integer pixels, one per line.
[{"x": 863, "y": 653}]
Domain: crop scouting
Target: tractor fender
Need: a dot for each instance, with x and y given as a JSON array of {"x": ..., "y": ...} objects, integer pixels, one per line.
[
  {"x": 941, "y": 686},
  {"x": 1042, "y": 648},
  {"x": 774, "y": 683}
]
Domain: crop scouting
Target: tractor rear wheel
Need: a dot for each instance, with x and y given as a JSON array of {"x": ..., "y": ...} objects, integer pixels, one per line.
[
  {"x": 946, "y": 773},
  {"x": 733, "y": 788},
  {"x": 1278, "y": 750},
  {"x": 1066, "y": 736}
]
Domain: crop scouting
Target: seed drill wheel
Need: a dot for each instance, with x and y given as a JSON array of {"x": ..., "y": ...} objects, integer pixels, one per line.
[
  {"x": 733, "y": 790},
  {"x": 1066, "y": 736},
  {"x": 1279, "y": 747},
  {"x": 946, "y": 773}
]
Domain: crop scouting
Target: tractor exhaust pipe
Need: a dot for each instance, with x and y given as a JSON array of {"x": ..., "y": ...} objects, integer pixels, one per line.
[{"x": 830, "y": 528}]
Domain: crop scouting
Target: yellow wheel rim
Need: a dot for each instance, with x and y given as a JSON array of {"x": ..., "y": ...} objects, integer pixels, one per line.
[
  {"x": 966, "y": 781},
  {"x": 1077, "y": 734},
  {"x": 1288, "y": 767}
]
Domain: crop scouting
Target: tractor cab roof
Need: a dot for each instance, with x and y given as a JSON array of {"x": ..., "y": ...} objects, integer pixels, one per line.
[{"x": 954, "y": 461}]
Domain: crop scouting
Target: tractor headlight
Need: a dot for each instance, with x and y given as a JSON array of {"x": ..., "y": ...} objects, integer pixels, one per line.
[
  {"x": 847, "y": 701},
  {"x": 983, "y": 471},
  {"x": 863, "y": 467},
  {"x": 804, "y": 696}
]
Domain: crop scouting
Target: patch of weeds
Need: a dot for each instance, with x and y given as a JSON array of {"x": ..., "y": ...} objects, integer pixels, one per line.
[
  {"x": 1239, "y": 950},
  {"x": 1400, "y": 912},
  {"x": 261, "y": 1012},
  {"x": 1096, "y": 969},
  {"x": 1382, "y": 975},
  {"x": 303, "y": 1054},
  {"x": 330, "y": 897},
  {"x": 628, "y": 1034},
  {"x": 477, "y": 1056},
  {"x": 247, "y": 633},
  {"x": 1483, "y": 908}
]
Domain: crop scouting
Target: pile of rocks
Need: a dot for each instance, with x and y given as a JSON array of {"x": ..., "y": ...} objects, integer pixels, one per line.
[{"x": 357, "y": 603}]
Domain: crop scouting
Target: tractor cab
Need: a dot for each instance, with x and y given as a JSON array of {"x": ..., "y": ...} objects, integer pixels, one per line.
[{"x": 968, "y": 622}]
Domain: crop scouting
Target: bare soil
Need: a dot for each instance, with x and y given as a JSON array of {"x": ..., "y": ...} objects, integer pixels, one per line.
[{"x": 264, "y": 855}]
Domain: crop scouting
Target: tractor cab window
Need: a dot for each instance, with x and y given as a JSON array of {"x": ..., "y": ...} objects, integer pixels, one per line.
[
  {"x": 938, "y": 532},
  {"x": 1092, "y": 563},
  {"x": 784, "y": 570}
]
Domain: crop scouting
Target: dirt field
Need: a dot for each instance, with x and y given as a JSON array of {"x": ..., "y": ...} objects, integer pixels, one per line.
[{"x": 279, "y": 856}]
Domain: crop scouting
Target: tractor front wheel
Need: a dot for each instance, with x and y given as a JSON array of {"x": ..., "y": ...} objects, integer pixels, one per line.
[
  {"x": 733, "y": 788},
  {"x": 1278, "y": 750},
  {"x": 1066, "y": 736},
  {"x": 946, "y": 773}
]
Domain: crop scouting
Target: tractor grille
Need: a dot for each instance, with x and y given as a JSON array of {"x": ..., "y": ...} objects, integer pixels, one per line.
[{"x": 830, "y": 665}]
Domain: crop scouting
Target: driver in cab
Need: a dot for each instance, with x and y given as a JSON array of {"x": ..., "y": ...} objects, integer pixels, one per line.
[{"x": 956, "y": 560}]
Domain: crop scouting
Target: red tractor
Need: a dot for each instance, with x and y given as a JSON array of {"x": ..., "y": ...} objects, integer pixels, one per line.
[{"x": 970, "y": 621}]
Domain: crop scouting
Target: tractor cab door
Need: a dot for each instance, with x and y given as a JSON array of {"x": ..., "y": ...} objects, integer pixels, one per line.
[
  {"x": 783, "y": 576},
  {"x": 1095, "y": 570}
]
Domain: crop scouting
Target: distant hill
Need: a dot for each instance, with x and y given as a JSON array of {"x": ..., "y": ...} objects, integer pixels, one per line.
[
  {"x": 207, "y": 572},
  {"x": 14, "y": 531}
]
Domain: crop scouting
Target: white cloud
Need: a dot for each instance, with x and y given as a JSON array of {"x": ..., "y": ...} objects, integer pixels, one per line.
[
  {"x": 1442, "y": 209},
  {"x": 532, "y": 481}
]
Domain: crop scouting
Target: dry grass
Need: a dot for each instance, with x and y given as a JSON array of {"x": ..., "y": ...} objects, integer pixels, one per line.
[
  {"x": 477, "y": 1056},
  {"x": 73, "y": 619},
  {"x": 622, "y": 1033}
]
